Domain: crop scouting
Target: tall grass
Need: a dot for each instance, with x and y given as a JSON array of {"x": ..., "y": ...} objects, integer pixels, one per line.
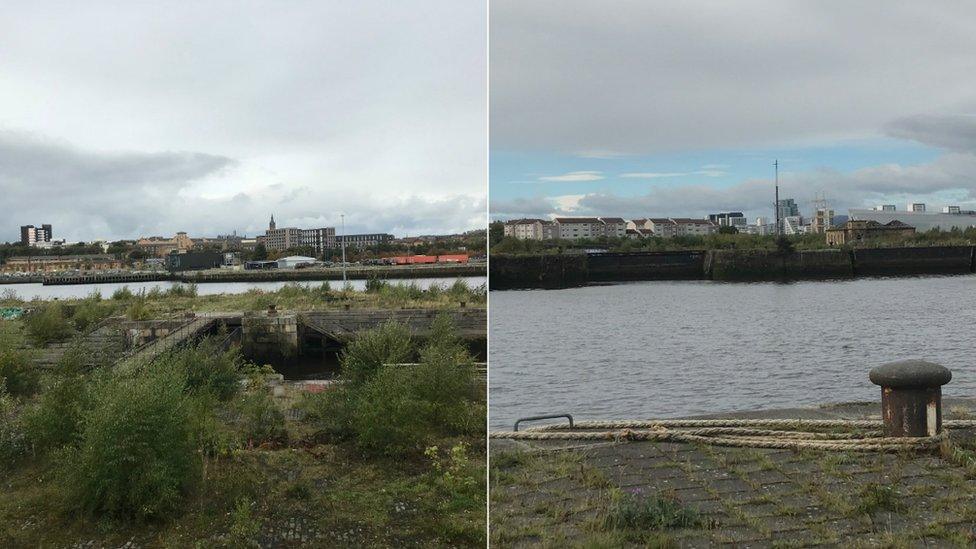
[
  {"x": 47, "y": 325},
  {"x": 395, "y": 409}
]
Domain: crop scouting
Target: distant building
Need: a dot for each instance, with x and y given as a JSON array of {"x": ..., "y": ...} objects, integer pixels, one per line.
[
  {"x": 319, "y": 239},
  {"x": 728, "y": 219},
  {"x": 689, "y": 226},
  {"x": 295, "y": 261},
  {"x": 31, "y": 235},
  {"x": 858, "y": 231},
  {"x": 916, "y": 207},
  {"x": 951, "y": 210},
  {"x": 886, "y": 208},
  {"x": 922, "y": 221},
  {"x": 794, "y": 225},
  {"x": 788, "y": 208},
  {"x": 363, "y": 240},
  {"x": 574, "y": 228},
  {"x": 194, "y": 261},
  {"x": 59, "y": 263},
  {"x": 823, "y": 219},
  {"x": 614, "y": 227},
  {"x": 158, "y": 246},
  {"x": 662, "y": 227},
  {"x": 529, "y": 229}
]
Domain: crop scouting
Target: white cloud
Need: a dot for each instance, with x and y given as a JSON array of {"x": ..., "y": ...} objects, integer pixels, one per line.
[
  {"x": 652, "y": 175},
  {"x": 574, "y": 176}
]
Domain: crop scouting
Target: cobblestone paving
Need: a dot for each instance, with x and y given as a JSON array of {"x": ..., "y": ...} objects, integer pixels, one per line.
[{"x": 745, "y": 497}]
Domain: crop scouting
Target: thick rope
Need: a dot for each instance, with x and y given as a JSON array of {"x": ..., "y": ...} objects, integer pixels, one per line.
[{"x": 791, "y": 434}]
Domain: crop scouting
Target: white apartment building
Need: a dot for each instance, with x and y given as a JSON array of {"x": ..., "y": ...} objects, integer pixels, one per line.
[
  {"x": 530, "y": 229},
  {"x": 793, "y": 224},
  {"x": 614, "y": 227},
  {"x": 572, "y": 228},
  {"x": 687, "y": 226},
  {"x": 663, "y": 227}
]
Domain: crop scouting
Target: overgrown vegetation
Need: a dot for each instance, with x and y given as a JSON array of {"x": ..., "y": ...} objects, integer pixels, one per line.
[
  {"x": 393, "y": 408},
  {"x": 634, "y": 510},
  {"x": 196, "y": 447},
  {"x": 85, "y": 313}
]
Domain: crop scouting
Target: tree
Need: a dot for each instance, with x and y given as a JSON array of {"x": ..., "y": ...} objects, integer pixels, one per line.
[
  {"x": 260, "y": 252},
  {"x": 496, "y": 231},
  {"x": 727, "y": 229}
]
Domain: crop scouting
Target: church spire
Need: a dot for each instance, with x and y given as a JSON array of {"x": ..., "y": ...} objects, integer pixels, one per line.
[{"x": 271, "y": 226}]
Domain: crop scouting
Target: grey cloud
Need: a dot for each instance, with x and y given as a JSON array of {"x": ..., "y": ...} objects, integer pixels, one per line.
[
  {"x": 641, "y": 77},
  {"x": 29, "y": 163},
  {"x": 954, "y": 132}
]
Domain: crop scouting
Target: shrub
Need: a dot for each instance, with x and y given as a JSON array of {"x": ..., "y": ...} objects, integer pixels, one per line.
[
  {"x": 374, "y": 285},
  {"x": 55, "y": 420},
  {"x": 363, "y": 356},
  {"x": 183, "y": 290},
  {"x": 122, "y": 294},
  {"x": 261, "y": 419},
  {"x": 206, "y": 369},
  {"x": 331, "y": 411},
  {"x": 137, "y": 455},
  {"x": 401, "y": 409},
  {"x": 90, "y": 311},
  {"x": 13, "y": 441},
  {"x": 17, "y": 373},
  {"x": 47, "y": 325},
  {"x": 138, "y": 310}
]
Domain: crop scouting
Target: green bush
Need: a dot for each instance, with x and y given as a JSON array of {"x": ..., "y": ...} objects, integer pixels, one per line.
[
  {"x": 331, "y": 411},
  {"x": 90, "y": 311},
  {"x": 183, "y": 290},
  {"x": 137, "y": 455},
  {"x": 13, "y": 441},
  {"x": 390, "y": 343},
  {"x": 17, "y": 373},
  {"x": 206, "y": 369},
  {"x": 138, "y": 310},
  {"x": 47, "y": 325},
  {"x": 374, "y": 285},
  {"x": 122, "y": 294},
  {"x": 261, "y": 419},
  {"x": 54, "y": 421}
]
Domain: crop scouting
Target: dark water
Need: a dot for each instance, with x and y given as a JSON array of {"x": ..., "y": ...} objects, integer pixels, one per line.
[
  {"x": 38, "y": 290},
  {"x": 659, "y": 349}
]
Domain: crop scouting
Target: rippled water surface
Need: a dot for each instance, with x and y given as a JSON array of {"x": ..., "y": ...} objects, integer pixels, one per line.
[
  {"x": 30, "y": 291},
  {"x": 659, "y": 349}
]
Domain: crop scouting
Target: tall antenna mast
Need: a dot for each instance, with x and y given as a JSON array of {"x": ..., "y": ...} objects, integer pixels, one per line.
[{"x": 776, "y": 204}]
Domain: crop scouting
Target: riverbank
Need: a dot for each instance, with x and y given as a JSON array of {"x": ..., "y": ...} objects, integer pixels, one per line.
[
  {"x": 553, "y": 271},
  {"x": 272, "y": 275},
  {"x": 224, "y": 453},
  {"x": 688, "y": 495}
]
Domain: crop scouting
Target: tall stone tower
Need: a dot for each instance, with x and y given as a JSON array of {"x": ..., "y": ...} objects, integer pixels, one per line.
[{"x": 271, "y": 226}]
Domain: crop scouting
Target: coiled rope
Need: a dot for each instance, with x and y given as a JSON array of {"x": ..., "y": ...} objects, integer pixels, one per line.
[{"x": 790, "y": 434}]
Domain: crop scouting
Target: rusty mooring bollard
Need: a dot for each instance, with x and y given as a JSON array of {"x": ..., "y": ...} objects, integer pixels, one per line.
[{"x": 911, "y": 397}]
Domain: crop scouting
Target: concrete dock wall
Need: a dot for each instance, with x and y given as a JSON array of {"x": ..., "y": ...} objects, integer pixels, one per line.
[
  {"x": 565, "y": 271},
  {"x": 907, "y": 261},
  {"x": 681, "y": 265},
  {"x": 509, "y": 272}
]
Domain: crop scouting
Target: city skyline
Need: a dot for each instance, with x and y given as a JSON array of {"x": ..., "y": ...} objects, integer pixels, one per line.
[
  {"x": 681, "y": 111},
  {"x": 121, "y": 120}
]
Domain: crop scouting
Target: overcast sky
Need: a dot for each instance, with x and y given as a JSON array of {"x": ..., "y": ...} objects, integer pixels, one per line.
[
  {"x": 126, "y": 119},
  {"x": 639, "y": 108}
]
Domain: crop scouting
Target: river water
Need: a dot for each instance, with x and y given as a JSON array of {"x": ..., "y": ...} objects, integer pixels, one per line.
[
  {"x": 666, "y": 349},
  {"x": 29, "y": 291}
]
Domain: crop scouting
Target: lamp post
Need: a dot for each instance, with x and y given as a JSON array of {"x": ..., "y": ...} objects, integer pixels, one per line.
[{"x": 342, "y": 217}]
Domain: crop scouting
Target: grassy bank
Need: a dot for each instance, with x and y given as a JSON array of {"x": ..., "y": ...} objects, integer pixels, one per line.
[
  {"x": 83, "y": 313},
  {"x": 202, "y": 448}
]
